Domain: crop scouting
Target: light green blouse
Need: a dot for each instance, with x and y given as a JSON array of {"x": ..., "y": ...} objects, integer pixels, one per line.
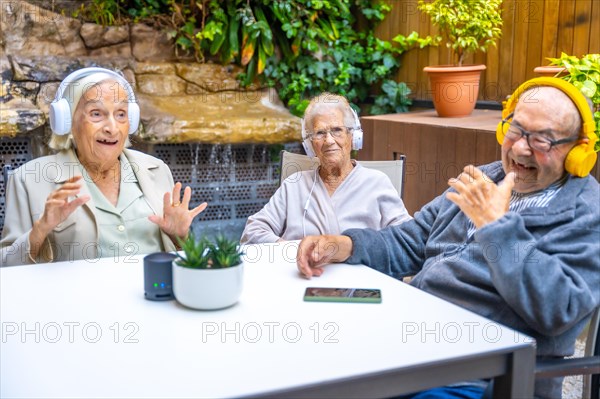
[{"x": 124, "y": 229}]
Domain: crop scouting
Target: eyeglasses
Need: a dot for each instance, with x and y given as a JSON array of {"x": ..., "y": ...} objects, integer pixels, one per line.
[
  {"x": 536, "y": 141},
  {"x": 337, "y": 132}
]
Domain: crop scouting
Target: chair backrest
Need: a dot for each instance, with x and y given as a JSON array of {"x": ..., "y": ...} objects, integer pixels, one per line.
[
  {"x": 291, "y": 163},
  {"x": 393, "y": 169}
]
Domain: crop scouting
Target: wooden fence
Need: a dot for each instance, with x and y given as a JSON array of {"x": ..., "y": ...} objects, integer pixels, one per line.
[{"x": 532, "y": 31}]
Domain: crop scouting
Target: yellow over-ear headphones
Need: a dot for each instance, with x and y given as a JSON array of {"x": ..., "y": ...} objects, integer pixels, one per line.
[{"x": 581, "y": 159}]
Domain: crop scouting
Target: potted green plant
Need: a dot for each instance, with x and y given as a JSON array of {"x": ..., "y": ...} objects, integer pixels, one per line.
[
  {"x": 466, "y": 26},
  {"x": 208, "y": 275},
  {"x": 583, "y": 73}
]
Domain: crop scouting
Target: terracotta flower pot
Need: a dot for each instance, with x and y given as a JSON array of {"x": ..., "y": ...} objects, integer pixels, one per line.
[
  {"x": 551, "y": 71},
  {"x": 454, "y": 89}
]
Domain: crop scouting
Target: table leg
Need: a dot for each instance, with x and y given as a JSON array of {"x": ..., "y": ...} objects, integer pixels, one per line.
[{"x": 519, "y": 380}]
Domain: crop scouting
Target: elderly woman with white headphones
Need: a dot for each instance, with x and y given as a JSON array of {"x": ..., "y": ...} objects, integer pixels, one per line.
[
  {"x": 339, "y": 195},
  {"x": 94, "y": 198}
]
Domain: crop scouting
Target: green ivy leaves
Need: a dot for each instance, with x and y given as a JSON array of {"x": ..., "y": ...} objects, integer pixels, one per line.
[{"x": 584, "y": 73}]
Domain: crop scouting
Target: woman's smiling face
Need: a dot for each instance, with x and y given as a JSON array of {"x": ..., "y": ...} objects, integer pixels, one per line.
[{"x": 101, "y": 124}]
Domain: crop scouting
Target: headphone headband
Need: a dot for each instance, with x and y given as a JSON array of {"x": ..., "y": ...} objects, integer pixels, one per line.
[
  {"x": 73, "y": 77},
  {"x": 581, "y": 159},
  {"x": 587, "y": 118}
]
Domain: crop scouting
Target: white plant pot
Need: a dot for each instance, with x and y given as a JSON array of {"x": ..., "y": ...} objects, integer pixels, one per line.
[{"x": 207, "y": 289}]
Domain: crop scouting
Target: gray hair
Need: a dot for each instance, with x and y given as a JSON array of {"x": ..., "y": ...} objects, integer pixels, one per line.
[{"x": 325, "y": 103}]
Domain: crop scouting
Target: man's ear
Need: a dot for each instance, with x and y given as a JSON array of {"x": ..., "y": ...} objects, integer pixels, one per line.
[{"x": 583, "y": 140}]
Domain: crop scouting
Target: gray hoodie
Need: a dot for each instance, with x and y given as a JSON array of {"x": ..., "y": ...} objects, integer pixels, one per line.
[{"x": 536, "y": 271}]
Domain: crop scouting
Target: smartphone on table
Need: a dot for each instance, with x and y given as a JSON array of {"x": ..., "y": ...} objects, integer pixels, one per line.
[{"x": 324, "y": 294}]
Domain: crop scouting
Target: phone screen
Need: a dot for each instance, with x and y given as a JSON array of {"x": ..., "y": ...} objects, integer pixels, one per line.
[{"x": 321, "y": 294}]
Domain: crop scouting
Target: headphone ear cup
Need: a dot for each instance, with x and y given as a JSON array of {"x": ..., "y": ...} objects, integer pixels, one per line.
[
  {"x": 308, "y": 148},
  {"x": 580, "y": 160},
  {"x": 357, "y": 133},
  {"x": 501, "y": 130},
  {"x": 60, "y": 117},
  {"x": 133, "y": 113},
  {"x": 357, "y": 139}
]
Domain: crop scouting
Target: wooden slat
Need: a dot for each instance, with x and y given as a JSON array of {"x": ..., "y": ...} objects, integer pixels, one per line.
[
  {"x": 566, "y": 26},
  {"x": 534, "y": 37},
  {"x": 550, "y": 37},
  {"x": 522, "y": 26},
  {"x": 594, "y": 40},
  {"x": 581, "y": 33},
  {"x": 490, "y": 89},
  {"x": 506, "y": 46}
]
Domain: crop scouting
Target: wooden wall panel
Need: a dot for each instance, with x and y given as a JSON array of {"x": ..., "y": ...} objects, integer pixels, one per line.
[{"x": 533, "y": 30}]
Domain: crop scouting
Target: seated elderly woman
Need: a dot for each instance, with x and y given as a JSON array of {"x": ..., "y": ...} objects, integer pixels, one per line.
[
  {"x": 339, "y": 194},
  {"x": 94, "y": 198}
]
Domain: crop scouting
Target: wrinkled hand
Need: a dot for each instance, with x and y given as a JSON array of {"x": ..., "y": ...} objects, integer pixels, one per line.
[
  {"x": 58, "y": 207},
  {"x": 56, "y": 210},
  {"x": 316, "y": 251},
  {"x": 479, "y": 197},
  {"x": 177, "y": 217}
]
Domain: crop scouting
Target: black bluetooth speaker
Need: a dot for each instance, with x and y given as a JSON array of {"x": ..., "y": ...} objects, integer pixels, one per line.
[{"x": 158, "y": 278}]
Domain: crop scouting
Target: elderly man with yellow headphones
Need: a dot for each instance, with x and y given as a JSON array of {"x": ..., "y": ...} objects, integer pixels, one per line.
[
  {"x": 516, "y": 241},
  {"x": 94, "y": 198}
]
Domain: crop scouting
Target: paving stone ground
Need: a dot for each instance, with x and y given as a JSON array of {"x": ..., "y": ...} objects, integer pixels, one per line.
[{"x": 573, "y": 385}]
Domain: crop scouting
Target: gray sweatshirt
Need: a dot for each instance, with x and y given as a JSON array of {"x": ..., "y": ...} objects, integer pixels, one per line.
[{"x": 536, "y": 271}]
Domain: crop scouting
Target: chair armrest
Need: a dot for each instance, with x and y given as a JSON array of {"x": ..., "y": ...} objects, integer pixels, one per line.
[{"x": 571, "y": 366}]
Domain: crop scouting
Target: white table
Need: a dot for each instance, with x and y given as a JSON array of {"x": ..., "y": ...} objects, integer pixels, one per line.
[{"x": 84, "y": 329}]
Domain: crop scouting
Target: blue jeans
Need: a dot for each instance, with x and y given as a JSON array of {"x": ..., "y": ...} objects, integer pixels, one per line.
[{"x": 458, "y": 392}]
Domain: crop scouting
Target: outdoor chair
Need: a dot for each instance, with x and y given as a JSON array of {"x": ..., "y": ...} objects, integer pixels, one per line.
[
  {"x": 588, "y": 365},
  {"x": 291, "y": 163}
]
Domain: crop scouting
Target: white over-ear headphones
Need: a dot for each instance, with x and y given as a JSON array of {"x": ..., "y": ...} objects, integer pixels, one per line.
[
  {"x": 357, "y": 132},
  {"x": 60, "y": 110},
  {"x": 357, "y": 136}
]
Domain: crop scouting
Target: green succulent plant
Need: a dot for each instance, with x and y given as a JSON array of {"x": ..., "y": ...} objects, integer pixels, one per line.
[
  {"x": 203, "y": 254},
  {"x": 225, "y": 253}
]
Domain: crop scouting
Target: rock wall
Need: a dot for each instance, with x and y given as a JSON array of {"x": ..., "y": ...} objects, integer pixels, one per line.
[{"x": 180, "y": 100}]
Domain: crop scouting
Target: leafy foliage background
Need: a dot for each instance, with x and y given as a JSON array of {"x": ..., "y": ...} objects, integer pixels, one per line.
[{"x": 299, "y": 47}]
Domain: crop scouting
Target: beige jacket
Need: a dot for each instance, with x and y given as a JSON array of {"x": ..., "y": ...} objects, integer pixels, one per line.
[{"x": 77, "y": 236}]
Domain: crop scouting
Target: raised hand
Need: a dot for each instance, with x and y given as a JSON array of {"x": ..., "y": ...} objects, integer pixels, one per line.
[
  {"x": 482, "y": 200},
  {"x": 57, "y": 209},
  {"x": 177, "y": 217},
  {"x": 58, "y": 206}
]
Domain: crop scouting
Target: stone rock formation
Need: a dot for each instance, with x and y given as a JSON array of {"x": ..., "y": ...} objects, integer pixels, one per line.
[{"x": 180, "y": 101}]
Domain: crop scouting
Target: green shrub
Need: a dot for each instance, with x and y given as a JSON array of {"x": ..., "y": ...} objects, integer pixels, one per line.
[{"x": 465, "y": 25}]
